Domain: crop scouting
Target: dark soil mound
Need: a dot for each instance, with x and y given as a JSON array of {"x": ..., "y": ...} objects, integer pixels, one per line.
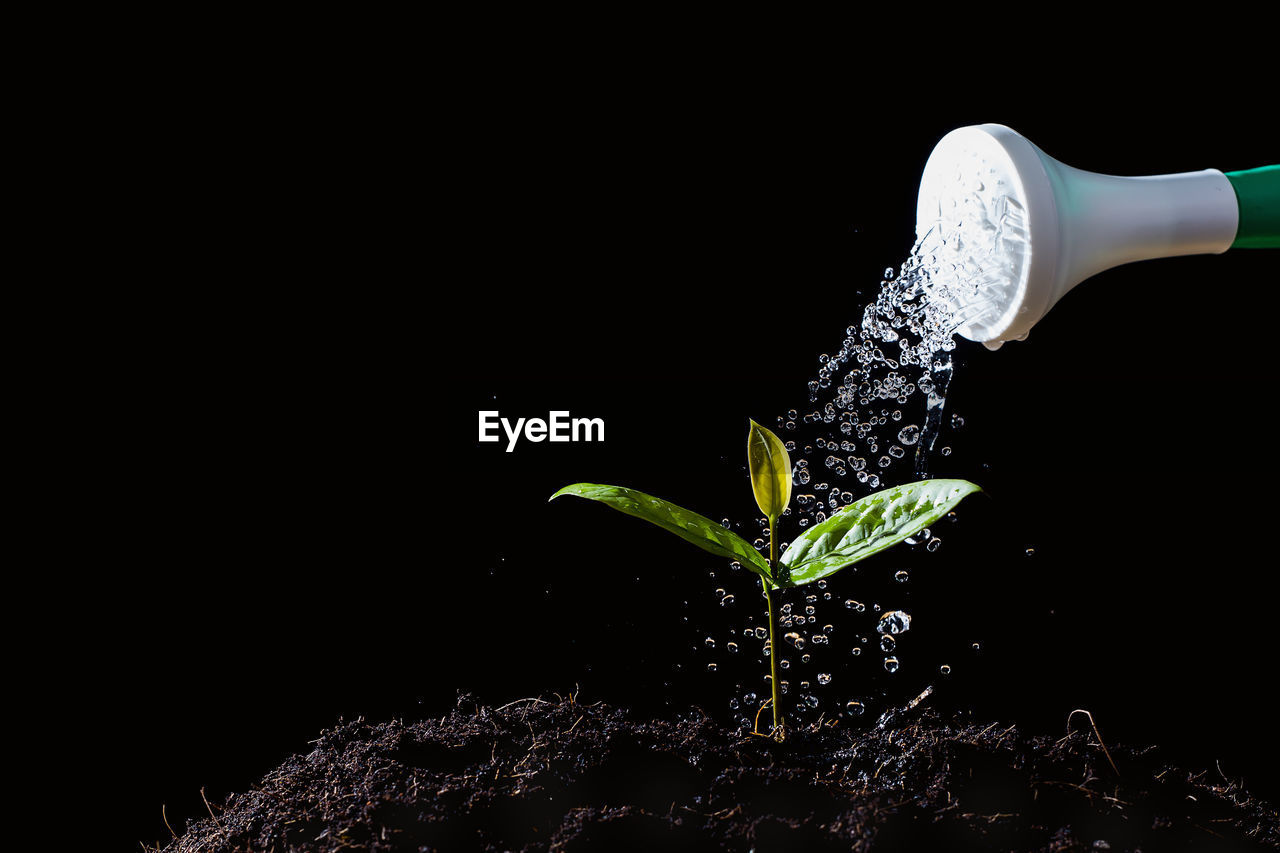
[{"x": 562, "y": 776}]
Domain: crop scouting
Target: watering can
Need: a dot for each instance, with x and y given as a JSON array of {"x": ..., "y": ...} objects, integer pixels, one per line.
[{"x": 1043, "y": 226}]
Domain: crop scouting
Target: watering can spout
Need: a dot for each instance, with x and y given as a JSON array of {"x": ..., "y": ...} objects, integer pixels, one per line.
[{"x": 1028, "y": 228}]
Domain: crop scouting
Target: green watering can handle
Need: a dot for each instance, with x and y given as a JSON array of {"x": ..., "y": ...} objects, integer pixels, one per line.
[{"x": 1258, "y": 191}]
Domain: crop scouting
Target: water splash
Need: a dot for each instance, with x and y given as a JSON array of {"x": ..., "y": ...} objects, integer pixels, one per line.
[{"x": 875, "y": 410}]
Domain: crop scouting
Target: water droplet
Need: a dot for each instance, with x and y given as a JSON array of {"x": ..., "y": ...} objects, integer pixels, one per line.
[
  {"x": 711, "y": 643},
  {"x": 855, "y": 709},
  {"x": 890, "y": 664},
  {"x": 919, "y": 536},
  {"x": 855, "y": 651},
  {"x": 854, "y": 605},
  {"x": 909, "y": 435},
  {"x": 824, "y": 678},
  {"x": 944, "y": 669},
  {"x": 794, "y": 639},
  {"x": 727, "y": 601},
  {"x": 888, "y": 643},
  {"x": 711, "y": 667},
  {"x": 894, "y": 622},
  {"x": 732, "y": 647},
  {"x": 902, "y": 576}
]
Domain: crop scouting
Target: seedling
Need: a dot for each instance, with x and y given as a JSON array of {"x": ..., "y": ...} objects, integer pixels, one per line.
[{"x": 860, "y": 529}]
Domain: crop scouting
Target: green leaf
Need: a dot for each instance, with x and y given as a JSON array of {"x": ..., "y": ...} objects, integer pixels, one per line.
[
  {"x": 868, "y": 526},
  {"x": 770, "y": 470},
  {"x": 690, "y": 526}
]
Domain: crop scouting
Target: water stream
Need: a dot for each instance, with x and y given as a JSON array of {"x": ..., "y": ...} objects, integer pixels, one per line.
[{"x": 872, "y": 419}]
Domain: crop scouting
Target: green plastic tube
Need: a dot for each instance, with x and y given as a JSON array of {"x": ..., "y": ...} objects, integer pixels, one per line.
[{"x": 1258, "y": 191}]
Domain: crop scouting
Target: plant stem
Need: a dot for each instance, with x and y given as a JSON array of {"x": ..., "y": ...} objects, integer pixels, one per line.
[{"x": 774, "y": 651}]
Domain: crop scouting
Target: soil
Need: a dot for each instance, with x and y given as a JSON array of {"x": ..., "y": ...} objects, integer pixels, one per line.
[{"x": 540, "y": 775}]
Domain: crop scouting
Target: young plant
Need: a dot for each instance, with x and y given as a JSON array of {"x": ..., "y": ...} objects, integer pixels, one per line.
[{"x": 858, "y": 530}]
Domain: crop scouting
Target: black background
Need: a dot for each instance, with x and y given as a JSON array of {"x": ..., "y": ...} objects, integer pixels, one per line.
[{"x": 300, "y": 524}]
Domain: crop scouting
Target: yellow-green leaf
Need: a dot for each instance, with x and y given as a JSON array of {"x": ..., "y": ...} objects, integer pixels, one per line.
[
  {"x": 770, "y": 468},
  {"x": 686, "y": 524}
]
